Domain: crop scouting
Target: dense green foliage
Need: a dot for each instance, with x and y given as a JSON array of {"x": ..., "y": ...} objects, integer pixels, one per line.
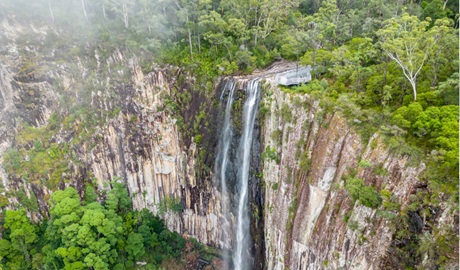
[
  {"x": 389, "y": 66},
  {"x": 366, "y": 195},
  {"x": 361, "y": 52},
  {"x": 87, "y": 235}
]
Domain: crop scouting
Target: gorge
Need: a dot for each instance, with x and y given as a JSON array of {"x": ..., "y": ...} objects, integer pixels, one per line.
[{"x": 262, "y": 175}]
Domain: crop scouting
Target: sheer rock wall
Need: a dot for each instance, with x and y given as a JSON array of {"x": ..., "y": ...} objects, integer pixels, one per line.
[
  {"x": 308, "y": 218},
  {"x": 305, "y": 199}
]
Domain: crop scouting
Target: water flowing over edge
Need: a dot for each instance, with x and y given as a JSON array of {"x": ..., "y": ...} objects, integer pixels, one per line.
[
  {"x": 223, "y": 156},
  {"x": 243, "y": 237}
]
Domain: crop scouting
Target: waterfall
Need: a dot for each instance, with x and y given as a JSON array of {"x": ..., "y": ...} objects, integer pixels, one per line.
[
  {"x": 225, "y": 141},
  {"x": 243, "y": 238},
  {"x": 223, "y": 162},
  {"x": 233, "y": 168}
]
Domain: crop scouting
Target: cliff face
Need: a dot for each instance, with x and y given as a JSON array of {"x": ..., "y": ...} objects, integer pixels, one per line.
[
  {"x": 310, "y": 220},
  {"x": 302, "y": 216},
  {"x": 25, "y": 97},
  {"x": 147, "y": 154},
  {"x": 136, "y": 139}
]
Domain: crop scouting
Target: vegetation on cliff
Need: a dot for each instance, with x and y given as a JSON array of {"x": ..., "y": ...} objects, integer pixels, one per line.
[{"x": 390, "y": 67}]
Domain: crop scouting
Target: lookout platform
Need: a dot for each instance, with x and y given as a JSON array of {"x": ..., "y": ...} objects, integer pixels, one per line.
[{"x": 299, "y": 75}]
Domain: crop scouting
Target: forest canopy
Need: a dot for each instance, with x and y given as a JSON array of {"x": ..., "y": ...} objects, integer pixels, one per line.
[
  {"x": 391, "y": 67},
  {"x": 87, "y": 234}
]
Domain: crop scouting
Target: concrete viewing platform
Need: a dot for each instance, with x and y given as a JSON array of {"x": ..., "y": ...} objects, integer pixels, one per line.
[{"x": 299, "y": 75}]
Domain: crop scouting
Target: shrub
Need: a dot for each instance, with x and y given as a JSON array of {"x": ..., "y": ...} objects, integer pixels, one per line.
[
  {"x": 286, "y": 114},
  {"x": 380, "y": 170},
  {"x": 276, "y": 136},
  {"x": 198, "y": 138},
  {"x": 364, "y": 164},
  {"x": 263, "y": 110},
  {"x": 367, "y": 195},
  {"x": 271, "y": 154},
  {"x": 353, "y": 225},
  {"x": 305, "y": 163},
  {"x": 170, "y": 203}
]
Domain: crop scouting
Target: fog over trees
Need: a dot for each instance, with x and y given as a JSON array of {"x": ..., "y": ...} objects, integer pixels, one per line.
[{"x": 391, "y": 67}]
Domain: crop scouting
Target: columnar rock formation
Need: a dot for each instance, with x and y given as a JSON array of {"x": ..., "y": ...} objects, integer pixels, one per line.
[
  {"x": 302, "y": 217},
  {"x": 307, "y": 209}
]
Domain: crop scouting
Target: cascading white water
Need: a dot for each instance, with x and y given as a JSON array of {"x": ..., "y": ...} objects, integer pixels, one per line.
[
  {"x": 223, "y": 160},
  {"x": 226, "y": 138},
  {"x": 240, "y": 257},
  {"x": 226, "y": 166}
]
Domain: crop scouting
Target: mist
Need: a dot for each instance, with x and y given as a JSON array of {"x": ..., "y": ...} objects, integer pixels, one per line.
[
  {"x": 132, "y": 23},
  {"x": 199, "y": 113}
]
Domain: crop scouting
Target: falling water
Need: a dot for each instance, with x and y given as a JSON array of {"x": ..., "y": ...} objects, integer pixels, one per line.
[
  {"x": 236, "y": 172},
  {"x": 240, "y": 257},
  {"x": 226, "y": 137},
  {"x": 224, "y": 161}
]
